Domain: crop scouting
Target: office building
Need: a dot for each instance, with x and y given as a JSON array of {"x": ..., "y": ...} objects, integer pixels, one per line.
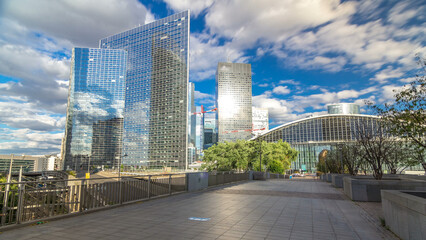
[
  {"x": 28, "y": 163},
  {"x": 191, "y": 115},
  {"x": 210, "y": 133},
  {"x": 199, "y": 131},
  {"x": 156, "y": 106},
  {"x": 234, "y": 101},
  {"x": 94, "y": 127},
  {"x": 260, "y": 118}
]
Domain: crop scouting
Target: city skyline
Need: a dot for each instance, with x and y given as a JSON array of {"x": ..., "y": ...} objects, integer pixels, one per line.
[{"x": 303, "y": 56}]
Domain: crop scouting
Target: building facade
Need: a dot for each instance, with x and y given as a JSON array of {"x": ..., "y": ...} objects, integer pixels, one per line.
[
  {"x": 156, "y": 103},
  {"x": 343, "y": 108},
  {"x": 210, "y": 126},
  {"x": 260, "y": 118},
  {"x": 310, "y": 136},
  {"x": 28, "y": 163},
  {"x": 94, "y": 127},
  {"x": 234, "y": 101}
]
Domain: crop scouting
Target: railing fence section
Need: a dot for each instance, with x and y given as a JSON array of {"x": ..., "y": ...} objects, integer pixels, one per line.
[{"x": 35, "y": 200}]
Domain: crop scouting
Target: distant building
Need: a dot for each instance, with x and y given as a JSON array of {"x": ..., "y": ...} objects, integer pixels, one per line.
[
  {"x": 210, "y": 133},
  {"x": 343, "y": 108},
  {"x": 94, "y": 128},
  {"x": 199, "y": 131},
  {"x": 260, "y": 120},
  {"x": 28, "y": 163},
  {"x": 191, "y": 116},
  {"x": 234, "y": 101}
]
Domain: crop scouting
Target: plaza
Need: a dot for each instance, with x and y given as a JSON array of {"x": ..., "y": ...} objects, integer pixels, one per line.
[{"x": 273, "y": 209}]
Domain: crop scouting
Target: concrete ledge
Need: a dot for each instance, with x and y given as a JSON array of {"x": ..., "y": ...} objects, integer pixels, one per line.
[
  {"x": 405, "y": 213},
  {"x": 337, "y": 179},
  {"x": 368, "y": 189}
]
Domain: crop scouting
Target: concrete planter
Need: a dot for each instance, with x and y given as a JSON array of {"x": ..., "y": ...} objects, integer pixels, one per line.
[
  {"x": 197, "y": 181},
  {"x": 259, "y": 176},
  {"x": 366, "y": 189},
  {"x": 405, "y": 213},
  {"x": 328, "y": 177},
  {"x": 337, "y": 179}
]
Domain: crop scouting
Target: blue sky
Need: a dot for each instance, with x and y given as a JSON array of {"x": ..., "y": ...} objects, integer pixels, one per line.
[{"x": 304, "y": 54}]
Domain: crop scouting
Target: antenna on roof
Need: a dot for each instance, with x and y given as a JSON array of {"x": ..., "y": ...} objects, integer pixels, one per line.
[{"x": 227, "y": 58}]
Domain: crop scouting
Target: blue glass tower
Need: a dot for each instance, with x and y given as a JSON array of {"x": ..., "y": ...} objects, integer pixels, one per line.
[
  {"x": 156, "y": 104},
  {"x": 94, "y": 128}
]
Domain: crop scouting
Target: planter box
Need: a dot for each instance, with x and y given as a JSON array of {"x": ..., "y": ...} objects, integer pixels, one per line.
[
  {"x": 337, "y": 179},
  {"x": 197, "y": 181},
  {"x": 405, "y": 213},
  {"x": 259, "y": 176},
  {"x": 328, "y": 177},
  {"x": 368, "y": 189}
]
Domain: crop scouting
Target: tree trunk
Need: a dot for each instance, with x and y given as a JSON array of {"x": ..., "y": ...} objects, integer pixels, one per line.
[{"x": 424, "y": 166}]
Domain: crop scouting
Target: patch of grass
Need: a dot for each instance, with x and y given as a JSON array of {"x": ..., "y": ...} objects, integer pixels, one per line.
[{"x": 383, "y": 222}]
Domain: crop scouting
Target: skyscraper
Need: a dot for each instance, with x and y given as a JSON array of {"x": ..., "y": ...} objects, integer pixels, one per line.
[
  {"x": 260, "y": 120},
  {"x": 234, "y": 101},
  {"x": 210, "y": 134},
  {"x": 156, "y": 104},
  {"x": 94, "y": 128}
]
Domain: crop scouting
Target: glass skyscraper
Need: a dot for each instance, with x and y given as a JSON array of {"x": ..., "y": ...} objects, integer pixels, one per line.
[
  {"x": 234, "y": 101},
  {"x": 94, "y": 128},
  {"x": 156, "y": 104}
]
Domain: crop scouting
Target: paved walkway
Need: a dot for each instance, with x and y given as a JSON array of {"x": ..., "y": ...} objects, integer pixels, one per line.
[{"x": 275, "y": 209}]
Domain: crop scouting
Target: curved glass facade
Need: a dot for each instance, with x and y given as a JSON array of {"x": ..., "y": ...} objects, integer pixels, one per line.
[{"x": 311, "y": 135}]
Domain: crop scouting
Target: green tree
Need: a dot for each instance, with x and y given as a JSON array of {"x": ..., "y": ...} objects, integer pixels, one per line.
[
  {"x": 276, "y": 166},
  {"x": 245, "y": 155}
]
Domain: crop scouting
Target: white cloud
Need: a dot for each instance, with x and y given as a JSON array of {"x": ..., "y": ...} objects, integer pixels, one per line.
[
  {"x": 281, "y": 90},
  {"x": 82, "y": 23},
  {"x": 205, "y": 53},
  {"x": 200, "y": 95},
  {"x": 386, "y": 74},
  {"x": 289, "y": 81},
  {"x": 195, "y": 6}
]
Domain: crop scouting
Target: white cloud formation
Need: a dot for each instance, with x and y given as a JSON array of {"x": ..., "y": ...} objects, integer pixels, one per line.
[
  {"x": 195, "y": 6},
  {"x": 82, "y": 23},
  {"x": 282, "y": 90},
  {"x": 205, "y": 53}
]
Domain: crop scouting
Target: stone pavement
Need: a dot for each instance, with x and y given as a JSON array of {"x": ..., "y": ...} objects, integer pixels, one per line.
[{"x": 274, "y": 209}]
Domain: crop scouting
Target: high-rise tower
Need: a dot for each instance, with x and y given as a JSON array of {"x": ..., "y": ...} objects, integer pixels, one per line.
[
  {"x": 94, "y": 128},
  {"x": 156, "y": 105},
  {"x": 234, "y": 101}
]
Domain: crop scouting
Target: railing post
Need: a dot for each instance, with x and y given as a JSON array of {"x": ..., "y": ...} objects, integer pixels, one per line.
[
  {"x": 170, "y": 184},
  {"x": 81, "y": 196},
  {"x": 149, "y": 186},
  {"x": 120, "y": 197},
  {"x": 20, "y": 203}
]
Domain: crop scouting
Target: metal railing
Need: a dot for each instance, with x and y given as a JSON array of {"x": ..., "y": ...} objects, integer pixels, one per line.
[
  {"x": 28, "y": 201},
  {"x": 226, "y": 177}
]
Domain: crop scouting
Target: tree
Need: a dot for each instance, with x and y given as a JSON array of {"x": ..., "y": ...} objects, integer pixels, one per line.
[
  {"x": 276, "y": 166},
  {"x": 375, "y": 145},
  {"x": 245, "y": 155},
  {"x": 406, "y": 116}
]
